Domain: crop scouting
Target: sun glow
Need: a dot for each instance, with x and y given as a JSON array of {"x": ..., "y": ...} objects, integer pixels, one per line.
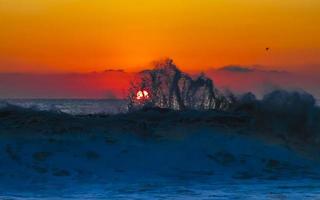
[{"x": 142, "y": 95}]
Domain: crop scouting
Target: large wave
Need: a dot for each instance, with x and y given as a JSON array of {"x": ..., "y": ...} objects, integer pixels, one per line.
[
  {"x": 152, "y": 144},
  {"x": 273, "y": 138},
  {"x": 50, "y": 153}
]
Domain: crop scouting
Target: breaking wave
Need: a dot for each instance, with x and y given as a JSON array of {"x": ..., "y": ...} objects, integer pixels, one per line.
[
  {"x": 154, "y": 150},
  {"x": 169, "y": 142}
]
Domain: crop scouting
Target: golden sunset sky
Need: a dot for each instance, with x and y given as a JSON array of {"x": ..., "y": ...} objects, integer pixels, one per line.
[{"x": 82, "y": 35}]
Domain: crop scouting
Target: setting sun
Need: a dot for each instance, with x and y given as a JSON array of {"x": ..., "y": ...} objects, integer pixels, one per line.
[{"x": 142, "y": 95}]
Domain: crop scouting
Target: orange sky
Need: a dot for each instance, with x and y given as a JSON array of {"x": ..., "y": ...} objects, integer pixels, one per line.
[{"x": 82, "y": 35}]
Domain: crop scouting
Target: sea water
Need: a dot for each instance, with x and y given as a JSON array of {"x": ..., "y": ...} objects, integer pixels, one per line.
[
  {"x": 72, "y": 106},
  {"x": 162, "y": 187}
]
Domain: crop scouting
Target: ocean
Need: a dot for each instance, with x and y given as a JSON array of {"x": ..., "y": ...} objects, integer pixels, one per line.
[
  {"x": 72, "y": 106},
  {"x": 142, "y": 156}
]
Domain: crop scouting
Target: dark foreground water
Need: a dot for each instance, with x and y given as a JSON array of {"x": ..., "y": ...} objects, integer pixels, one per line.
[
  {"x": 260, "y": 190},
  {"x": 47, "y": 155}
]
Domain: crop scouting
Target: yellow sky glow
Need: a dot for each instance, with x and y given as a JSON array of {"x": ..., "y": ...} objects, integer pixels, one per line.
[{"x": 81, "y": 35}]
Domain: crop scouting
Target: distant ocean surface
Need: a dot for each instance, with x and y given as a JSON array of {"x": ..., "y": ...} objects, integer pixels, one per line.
[
  {"x": 72, "y": 106},
  {"x": 75, "y": 106}
]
